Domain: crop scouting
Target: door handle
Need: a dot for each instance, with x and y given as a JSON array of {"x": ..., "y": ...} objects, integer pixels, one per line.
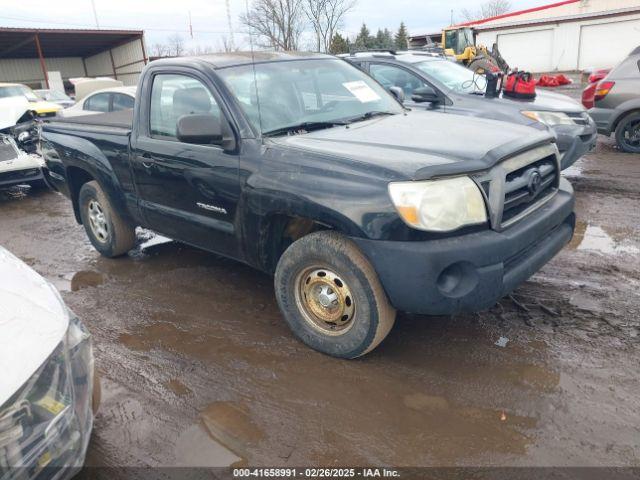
[{"x": 147, "y": 161}]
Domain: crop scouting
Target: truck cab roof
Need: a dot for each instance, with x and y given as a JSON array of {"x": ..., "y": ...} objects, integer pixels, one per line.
[{"x": 232, "y": 59}]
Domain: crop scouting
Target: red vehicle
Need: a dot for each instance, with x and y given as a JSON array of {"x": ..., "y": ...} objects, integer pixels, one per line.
[{"x": 589, "y": 93}]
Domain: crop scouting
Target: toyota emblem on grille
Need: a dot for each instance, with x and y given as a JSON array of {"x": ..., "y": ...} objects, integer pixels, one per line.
[{"x": 535, "y": 182}]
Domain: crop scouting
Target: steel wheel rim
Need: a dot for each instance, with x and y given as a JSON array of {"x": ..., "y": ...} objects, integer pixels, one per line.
[
  {"x": 98, "y": 221},
  {"x": 325, "y": 300}
]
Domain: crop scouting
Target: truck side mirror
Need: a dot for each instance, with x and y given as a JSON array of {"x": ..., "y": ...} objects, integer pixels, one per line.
[
  {"x": 398, "y": 93},
  {"x": 205, "y": 129},
  {"x": 425, "y": 94}
]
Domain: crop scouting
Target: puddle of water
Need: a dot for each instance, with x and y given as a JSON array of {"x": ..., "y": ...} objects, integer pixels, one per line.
[
  {"x": 230, "y": 424},
  {"x": 195, "y": 448},
  {"x": 72, "y": 282},
  {"x": 86, "y": 279},
  {"x": 221, "y": 439},
  {"x": 177, "y": 387},
  {"x": 596, "y": 239}
]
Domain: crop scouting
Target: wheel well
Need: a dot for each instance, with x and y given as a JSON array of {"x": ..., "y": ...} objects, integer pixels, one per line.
[
  {"x": 622, "y": 117},
  {"x": 281, "y": 231},
  {"x": 76, "y": 177}
]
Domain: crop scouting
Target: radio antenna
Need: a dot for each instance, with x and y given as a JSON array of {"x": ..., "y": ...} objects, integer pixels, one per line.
[{"x": 253, "y": 64}]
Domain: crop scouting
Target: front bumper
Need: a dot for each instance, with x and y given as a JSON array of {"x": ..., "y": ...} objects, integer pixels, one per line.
[
  {"x": 473, "y": 271},
  {"x": 574, "y": 142},
  {"x": 20, "y": 177},
  {"x": 45, "y": 428}
]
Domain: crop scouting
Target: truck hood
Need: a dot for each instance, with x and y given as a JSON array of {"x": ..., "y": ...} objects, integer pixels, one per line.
[
  {"x": 546, "y": 101},
  {"x": 11, "y": 109},
  {"x": 33, "y": 321},
  {"x": 419, "y": 144}
]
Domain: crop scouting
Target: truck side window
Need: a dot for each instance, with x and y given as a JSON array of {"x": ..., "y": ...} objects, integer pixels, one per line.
[
  {"x": 392, "y": 76},
  {"x": 173, "y": 96},
  {"x": 97, "y": 103}
]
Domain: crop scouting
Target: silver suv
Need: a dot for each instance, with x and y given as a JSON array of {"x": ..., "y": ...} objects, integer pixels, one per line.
[{"x": 617, "y": 103}]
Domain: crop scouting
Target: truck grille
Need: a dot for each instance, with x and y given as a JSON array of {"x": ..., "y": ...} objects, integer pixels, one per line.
[
  {"x": 7, "y": 150},
  {"x": 519, "y": 185},
  {"x": 527, "y": 186}
]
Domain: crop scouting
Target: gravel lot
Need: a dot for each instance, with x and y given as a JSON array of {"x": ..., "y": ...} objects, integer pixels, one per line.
[{"x": 198, "y": 367}]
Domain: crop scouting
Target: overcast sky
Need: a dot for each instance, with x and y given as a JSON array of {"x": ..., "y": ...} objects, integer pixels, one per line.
[{"x": 163, "y": 18}]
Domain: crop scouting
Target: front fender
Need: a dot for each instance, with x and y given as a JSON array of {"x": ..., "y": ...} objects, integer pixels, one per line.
[{"x": 353, "y": 207}]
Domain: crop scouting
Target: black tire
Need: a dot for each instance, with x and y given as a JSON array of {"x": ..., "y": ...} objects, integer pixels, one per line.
[
  {"x": 628, "y": 133},
  {"x": 482, "y": 65},
  {"x": 118, "y": 237},
  {"x": 361, "y": 302}
]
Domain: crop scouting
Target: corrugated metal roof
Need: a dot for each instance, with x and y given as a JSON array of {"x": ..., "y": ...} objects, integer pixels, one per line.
[{"x": 20, "y": 43}]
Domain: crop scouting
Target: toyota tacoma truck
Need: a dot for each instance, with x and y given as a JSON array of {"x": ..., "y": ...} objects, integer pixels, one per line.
[{"x": 305, "y": 167}]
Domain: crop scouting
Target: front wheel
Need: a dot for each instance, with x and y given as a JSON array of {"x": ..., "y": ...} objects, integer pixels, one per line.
[
  {"x": 331, "y": 296},
  {"x": 628, "y": 133},
  {"x": 108, "y": 232}
]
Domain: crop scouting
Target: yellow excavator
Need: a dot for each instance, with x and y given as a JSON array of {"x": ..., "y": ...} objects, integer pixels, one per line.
[{"x": 461, "y": 42}]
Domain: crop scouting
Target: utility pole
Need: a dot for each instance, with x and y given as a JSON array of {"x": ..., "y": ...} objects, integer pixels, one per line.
[
  {"x": 451, "y": 17},
  {"x": 231, "y": 41},
  {"x": 190, "y": 26},
  {"x": 95, "y": 13}
]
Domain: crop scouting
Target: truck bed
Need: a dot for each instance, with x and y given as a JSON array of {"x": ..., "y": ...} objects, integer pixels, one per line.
[{"x": 121, "y": 120}]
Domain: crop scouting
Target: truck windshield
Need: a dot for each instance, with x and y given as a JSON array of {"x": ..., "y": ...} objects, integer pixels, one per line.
[
  {"x": 454, "y": 76},
  {"x": 322, "y": 93}
]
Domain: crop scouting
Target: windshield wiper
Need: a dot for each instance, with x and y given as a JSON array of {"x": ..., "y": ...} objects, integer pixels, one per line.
[
  {"x": 304, "y": 126},
  {"x": 368, "y": 115}
]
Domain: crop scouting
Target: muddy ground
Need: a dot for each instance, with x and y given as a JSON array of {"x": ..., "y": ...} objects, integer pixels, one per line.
[{"x": 198, "y": 367}]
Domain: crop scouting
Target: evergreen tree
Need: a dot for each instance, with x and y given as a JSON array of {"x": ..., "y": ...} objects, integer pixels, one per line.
[
  {"x": 388, "y": 40},
  {"x": 339, "y": 44},
  {"x": 380, "y": 43},
  {"x": 402, "y": 38},
  {"x": 364, "y": 40}
]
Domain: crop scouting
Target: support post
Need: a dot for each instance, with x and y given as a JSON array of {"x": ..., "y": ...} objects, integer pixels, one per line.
[
  {"x": 43, "y": 66},
  {"x": 113, "y": 65},
  {"x": 144, "y": 52}
]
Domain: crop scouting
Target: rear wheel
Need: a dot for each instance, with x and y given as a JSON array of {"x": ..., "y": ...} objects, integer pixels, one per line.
[
  {"x": 331, "y": 296},
  {"x": 108, "y": 232},
  {"x": 628, "y": 133}
]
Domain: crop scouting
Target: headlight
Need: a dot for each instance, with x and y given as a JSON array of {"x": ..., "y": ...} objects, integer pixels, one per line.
[
  {"x": 439, "y": 205},
  {"x": 48, "y": 421},
  {"x": 549, "y": 118}
]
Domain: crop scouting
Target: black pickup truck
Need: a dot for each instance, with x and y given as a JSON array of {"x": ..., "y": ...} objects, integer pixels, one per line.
[{"x": 304, "y": 167}]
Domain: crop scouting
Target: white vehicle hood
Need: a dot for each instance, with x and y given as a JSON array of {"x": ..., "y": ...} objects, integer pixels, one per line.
[
  {"x": 11, "y": 109},
  {"x": 33, "y": 321}
]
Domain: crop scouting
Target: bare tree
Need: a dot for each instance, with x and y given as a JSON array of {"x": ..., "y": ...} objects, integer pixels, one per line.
[
  {"x": 159, "y": 50},
  {"x": 492, "y": 8},
  {"x": 278, "y": 23},
  {"x": 325, "y": 17},
  {"x": 201, "y": 50},
  {"x": 176, "y": 45},
  {"x": 227, "y": 45}
]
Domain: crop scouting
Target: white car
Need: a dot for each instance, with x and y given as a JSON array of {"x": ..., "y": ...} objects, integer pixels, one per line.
[
  {"x": 48, "y": 389},
  {"x": 103, "y": 101},
  {"x": 18, "y": 167}
]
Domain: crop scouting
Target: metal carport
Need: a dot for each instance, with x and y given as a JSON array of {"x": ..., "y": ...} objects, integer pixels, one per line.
[{"x": 28, "y": 54}]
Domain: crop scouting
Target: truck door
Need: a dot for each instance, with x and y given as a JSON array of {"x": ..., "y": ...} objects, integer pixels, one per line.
[{"x": 185, "y": 191}]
